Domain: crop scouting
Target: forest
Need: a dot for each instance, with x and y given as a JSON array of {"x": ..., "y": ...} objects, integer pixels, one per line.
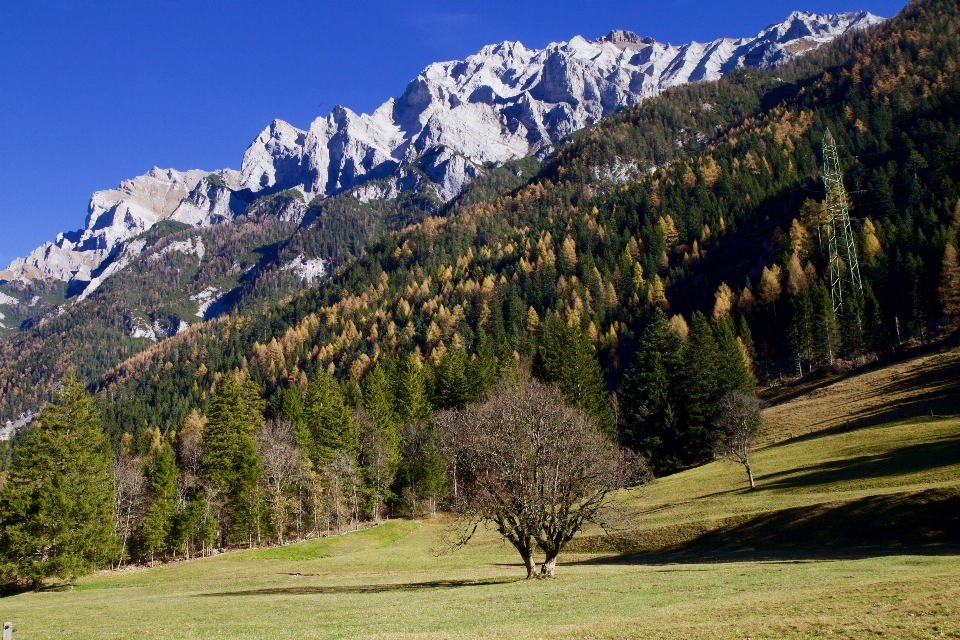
[{"x": 644, "y": 302}]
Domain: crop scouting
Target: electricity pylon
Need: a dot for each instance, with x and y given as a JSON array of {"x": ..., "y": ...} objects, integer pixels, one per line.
[{"x": 839, "y": 232}]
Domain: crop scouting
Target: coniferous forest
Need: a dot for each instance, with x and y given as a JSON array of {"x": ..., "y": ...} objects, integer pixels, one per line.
[{"x": 307, "y": 410}]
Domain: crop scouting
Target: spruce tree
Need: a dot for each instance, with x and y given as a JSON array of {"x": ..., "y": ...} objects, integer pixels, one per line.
[
  {"x": 230, "y": 458},
  {"x": 328, "y": 421},
  {"x": 950, "y": 278},
  {"x": 825, "y": 331},
  {"x": 700, "y": 384},
  {"x": 567, "y": 360},
  {"x": 56, "y": 516},
  {"x": 481, "y": 370},
  {"x": 732, "y": 370},
  {"x": 648, "y": 395},
  {"x": 162, "y": 474},
  {"x": 744, "y": 333},
  {"x": 379, "y": 400},
  {"x": 450, "y": 386},
  {"x": 410, "y": 390},
  {"x": 876, "y": 338}
]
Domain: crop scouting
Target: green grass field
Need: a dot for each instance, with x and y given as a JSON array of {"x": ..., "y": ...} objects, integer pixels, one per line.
[{"x": 852, "y": 532}]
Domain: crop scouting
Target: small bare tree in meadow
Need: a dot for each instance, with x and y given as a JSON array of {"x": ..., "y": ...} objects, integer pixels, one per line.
[
  {"x": 740, "y": 419},
  {"x": 534, "y": 468}
]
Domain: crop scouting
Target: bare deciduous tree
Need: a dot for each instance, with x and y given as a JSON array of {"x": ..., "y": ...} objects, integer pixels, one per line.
[
  {"x": 283, "y": 464},
  {"x": 379, "y": 458},
  {"x": 190, "y": 446},
  {"x": 741, "y": 420},
  {"x": 534, "y": 468},
  {"x": 130, "y": 493}
]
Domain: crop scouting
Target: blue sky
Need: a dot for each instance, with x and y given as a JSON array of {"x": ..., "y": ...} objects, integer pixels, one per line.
[{"x": 92, "y": 93}]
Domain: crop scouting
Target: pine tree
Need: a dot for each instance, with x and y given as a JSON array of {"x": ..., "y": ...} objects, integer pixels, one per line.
[{"x": 56, "y": 505}]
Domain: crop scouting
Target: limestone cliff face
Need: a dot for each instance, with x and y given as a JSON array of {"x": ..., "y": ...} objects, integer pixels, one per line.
[
  {"x": 508, "y": 101},
  {"x": 505, "y": 102}
]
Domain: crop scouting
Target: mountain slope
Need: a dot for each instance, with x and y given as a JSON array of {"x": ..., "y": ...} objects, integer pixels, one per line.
[
  {"x": 574, "y": 245},
  {"x": 503, "y": 103}
]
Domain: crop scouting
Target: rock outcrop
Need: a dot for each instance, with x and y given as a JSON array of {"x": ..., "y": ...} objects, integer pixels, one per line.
[{"x": 505, "y": 102}]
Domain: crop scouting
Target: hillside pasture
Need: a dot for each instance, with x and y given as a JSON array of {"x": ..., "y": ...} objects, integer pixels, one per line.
[{"x": 852, "y": 532}]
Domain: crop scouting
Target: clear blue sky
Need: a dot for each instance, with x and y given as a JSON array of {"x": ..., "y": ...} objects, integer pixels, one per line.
[{"x": 95, "y": 92}]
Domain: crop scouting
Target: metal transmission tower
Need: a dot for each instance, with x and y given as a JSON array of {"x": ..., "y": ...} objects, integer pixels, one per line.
[{"x": 839, "y": 233}]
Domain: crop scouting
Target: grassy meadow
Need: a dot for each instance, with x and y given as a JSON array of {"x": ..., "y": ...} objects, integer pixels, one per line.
[{"x": 853, "y": 531}]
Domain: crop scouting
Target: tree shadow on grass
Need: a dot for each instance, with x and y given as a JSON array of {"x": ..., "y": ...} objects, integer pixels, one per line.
[
  {"x": 924, "y": 522},
  {"x": 942, "y": 377},
  {"x": 360, "y": 588},
  {"x": 916, "y": 458},
  {"x": 936, "y": 390}
]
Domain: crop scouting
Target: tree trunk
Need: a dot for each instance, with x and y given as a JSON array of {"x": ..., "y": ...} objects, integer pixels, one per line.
[
  {"x": 531, "y": 566},
  {"x": 549, "y": 564},
  {"x": 750, "y": 476}
]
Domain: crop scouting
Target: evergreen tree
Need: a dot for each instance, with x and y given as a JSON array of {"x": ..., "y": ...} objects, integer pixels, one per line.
[
  {"x": 851, "y": 324},
  {"x": 450, "y": 386},
  {"x": 567, "y": 360},
  {"x": 481, "y": 371},
  {"x": 800, "y": 329},
  {"x": 379, "y": 400},
  {"x": 744, "y": 333},
  {"x": 876, "y": 338},
  {"x": 648, "y": 394},
  {"x": 56, "y": 505},
  {"x": 700, "y": 385},
  {"x": 230, "y": 459},
  {"x": 410, "y": 390},
  {"x": 950, "y": 278},
  {"x": 162, "y": 474},
  {"x": 732, "y": 370},
  {"x": 286, "y": 404},
  {"x": 327, "y": 422},
  {"x": 825, "y": 332}
]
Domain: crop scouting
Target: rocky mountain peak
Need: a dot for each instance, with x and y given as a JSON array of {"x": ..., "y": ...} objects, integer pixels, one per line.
[{"x": 504, "y": 102}]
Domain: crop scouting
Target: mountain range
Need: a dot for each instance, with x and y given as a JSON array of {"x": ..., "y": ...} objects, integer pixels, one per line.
[{"x": 453, "y": 121}]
